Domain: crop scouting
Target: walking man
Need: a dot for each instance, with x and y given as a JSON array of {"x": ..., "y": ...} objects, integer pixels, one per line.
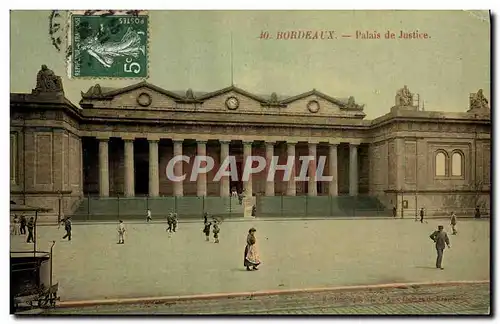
[
  {"x": 67, "y": 228},
  {"x": 148, "y": 216},
  {"x": 121, "y": 233},
  {"x": 174, "y": 221},
  {"x": 441, "y": 239},
  {"x": 422, "y": 215},
  {"x": 31, "y": 226},
  {"x": 23, "y": 224},
  {"x": 453, "y": 223},
  {"x": 170, "y": 219}
]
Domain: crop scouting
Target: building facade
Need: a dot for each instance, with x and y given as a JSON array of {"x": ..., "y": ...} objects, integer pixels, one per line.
[{"x": 118, "y": 142}]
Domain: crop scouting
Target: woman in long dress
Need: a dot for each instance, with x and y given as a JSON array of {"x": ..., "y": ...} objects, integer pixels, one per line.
[{"x": 251, "y": 253}]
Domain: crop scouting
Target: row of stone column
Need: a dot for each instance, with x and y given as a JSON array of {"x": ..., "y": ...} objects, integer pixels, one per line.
[{"x": 201, "y": 186}]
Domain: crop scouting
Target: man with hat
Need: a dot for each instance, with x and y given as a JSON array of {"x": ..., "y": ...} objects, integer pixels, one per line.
[{"x": 441, "y": 239}]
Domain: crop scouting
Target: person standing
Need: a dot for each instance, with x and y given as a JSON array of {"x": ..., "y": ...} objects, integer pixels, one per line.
[
  {"x": 15, "y": 225},
  {"x": 216, "y": 232},
  {"x": 148, "y": 216},
  {"x": 23, "y": 224},
  {"x": 169, "y": 222},
  {"x": 67, "y": 228},
  {"x": 441, "y": 239},
  {"x": 121, "y": 233},
  {"x": 251, "y": 257},
  {"x": 205, "y": 217},
  {"x": 31, "y": 227},
  {"x": 477, "y": 213},
  {"x": 453, "y": 223},
  {"x": 422, "y": 215},
  {"x": 174, "y": 222},
  {"x": 206, "y": 230},
  {"x": 394, "y": 212}
]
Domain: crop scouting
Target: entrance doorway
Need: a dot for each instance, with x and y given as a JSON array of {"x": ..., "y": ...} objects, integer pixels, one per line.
[{"x": 239, "y": 183}]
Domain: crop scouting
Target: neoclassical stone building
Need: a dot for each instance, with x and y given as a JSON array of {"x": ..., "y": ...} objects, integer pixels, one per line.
[{"x": 119, "y": 141}]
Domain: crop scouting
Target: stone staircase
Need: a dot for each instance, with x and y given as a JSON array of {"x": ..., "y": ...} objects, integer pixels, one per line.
[{"x": 134, "y": 208}]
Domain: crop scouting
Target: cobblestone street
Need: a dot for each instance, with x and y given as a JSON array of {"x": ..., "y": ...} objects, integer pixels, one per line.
[
  {"x": 295, "y": 254},
  {"x": 458, "y": 299}
]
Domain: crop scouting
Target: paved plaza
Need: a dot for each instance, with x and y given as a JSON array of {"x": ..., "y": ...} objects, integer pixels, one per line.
[{"x": 295, "y": 254}]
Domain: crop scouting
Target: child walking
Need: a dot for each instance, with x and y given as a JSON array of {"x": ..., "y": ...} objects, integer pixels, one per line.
[{"x": 121, "y": 233}]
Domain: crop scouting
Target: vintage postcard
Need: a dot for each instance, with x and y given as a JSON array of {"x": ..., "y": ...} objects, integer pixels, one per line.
[{"x": 250, "y": 162}]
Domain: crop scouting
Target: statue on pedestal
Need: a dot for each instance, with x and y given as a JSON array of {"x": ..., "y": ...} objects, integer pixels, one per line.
[
  {"x": 274, "y": 98},
  {"x": 189, "y": 94},
  {"x": 351, "y": 104},
  {"x": 478, "y": 100},
  {"x": 47, "y": 81},
  {"x": 404, "y": 97}
]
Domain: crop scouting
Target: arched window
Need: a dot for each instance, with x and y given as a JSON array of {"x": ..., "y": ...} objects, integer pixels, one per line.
[
  {"x": 457, "y": 164},
  {"x": 440, "y": 166}
]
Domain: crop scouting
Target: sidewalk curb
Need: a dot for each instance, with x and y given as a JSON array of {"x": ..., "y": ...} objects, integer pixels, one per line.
[{"x": 165, "y": 299}]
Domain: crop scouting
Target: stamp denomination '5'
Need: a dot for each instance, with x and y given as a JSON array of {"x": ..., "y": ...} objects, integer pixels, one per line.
[{"x": 109, "y": 46}]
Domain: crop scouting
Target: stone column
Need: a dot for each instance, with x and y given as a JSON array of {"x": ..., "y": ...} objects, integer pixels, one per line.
[
  {"x": 154, "y": 181},
  {"x": 248, "y": 186},
  {"x": 269, "y": 157},
  {"x": 201, "y": 181},
  {"x": 353, "y": 169},
  {"x": 103, "y": 167},
  {"x": 291, "y": 189},
  {"x": 224, "y": 184},
  {"x": 312, "y": 188},
  {"x": 129, "y": 168},
  {"x": 332, "y": 166},
  {"x": 178, "y": 187}
]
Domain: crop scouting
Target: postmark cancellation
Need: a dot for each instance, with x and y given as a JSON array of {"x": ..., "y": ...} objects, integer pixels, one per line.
[{"x": 108, "y": 45}]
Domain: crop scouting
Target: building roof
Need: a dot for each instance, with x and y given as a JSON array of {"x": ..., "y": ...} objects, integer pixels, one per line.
[{"x": 100, "y": 93}]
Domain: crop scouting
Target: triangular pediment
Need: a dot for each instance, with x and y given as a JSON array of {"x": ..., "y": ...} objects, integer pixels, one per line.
[
  {"x": 315, "y": 93},
  {"x": 140, "y": 94},
  {"x": 231, "y": 89}
]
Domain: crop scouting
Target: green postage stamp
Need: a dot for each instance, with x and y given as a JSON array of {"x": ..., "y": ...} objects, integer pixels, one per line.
[{"x": 109, "y": 45}]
